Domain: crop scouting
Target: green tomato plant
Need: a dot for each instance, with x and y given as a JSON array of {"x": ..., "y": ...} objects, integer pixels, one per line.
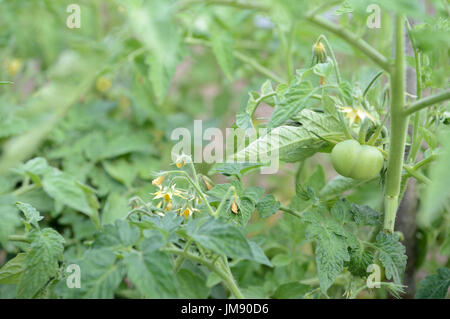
[{"x": 78, "y": 175}]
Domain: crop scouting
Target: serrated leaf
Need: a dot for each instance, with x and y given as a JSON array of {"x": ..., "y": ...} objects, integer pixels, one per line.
[
  {"x": 360, "y": 259},
  {"x": 331, "y": 250},
  {"x": 365, "y": 215},
  {"x": 151, "y": 272},
  {"x": 122, "y": 233},
  {"x": 319, "y": 123},
  {"x": 220, "y": 237},
  {"x": 41, "y": 261},
  {"x": 392, "y": 256},
  {"x": 295, "y": 98},
  {"x": 267, "y": 206},
  {"x": 100, "y": 274},
  {"x": 32, "y": 216},
  {"x": 290, "y": 143},
  {"x": 434, "y": 286}
]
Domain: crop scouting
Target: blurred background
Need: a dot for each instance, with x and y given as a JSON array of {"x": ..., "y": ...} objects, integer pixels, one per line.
[{"x": 100, "y": 101}]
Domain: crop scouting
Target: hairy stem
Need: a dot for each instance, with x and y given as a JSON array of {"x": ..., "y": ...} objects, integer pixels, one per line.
[{"x": 399, "y": 125}]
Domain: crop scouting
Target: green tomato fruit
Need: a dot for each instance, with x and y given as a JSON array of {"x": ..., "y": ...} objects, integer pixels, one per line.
[{"x": 361, "y": 162}]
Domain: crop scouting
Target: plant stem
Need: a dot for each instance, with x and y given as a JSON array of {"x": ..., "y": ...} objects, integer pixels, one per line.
[
  {"x": 180, "y": 259},
  {"x": 292, "y": 212},
  {"x": 227, "y": 196},
  {"x": 428, "y": 101},
  {"x": 258, "y": 67},
  {"x": 24, "y": 189},
  {"x": 20, "y": 238},
  {"x": 226, "y": 277},
  {"x": 399, "y": 125},
  {"x": 352, "y": 39},
  {"x": 417, "y": 175},
  {"x": 333, "y": 58},
  {"x": 244, "y": 58}
]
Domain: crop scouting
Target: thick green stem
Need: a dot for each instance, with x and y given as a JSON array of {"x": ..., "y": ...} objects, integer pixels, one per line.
[
  {"x": 428, "y": 101},
  {"x": 399, "y": 125}
]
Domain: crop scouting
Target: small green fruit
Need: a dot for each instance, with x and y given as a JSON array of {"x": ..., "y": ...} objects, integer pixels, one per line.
[{"x": 361, "y": 162}]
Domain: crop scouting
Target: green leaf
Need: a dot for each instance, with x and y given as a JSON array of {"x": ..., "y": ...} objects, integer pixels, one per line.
[
  {"x": 220, "y": 237},
  {"x": 100, "y": 274},
  {"x": 293, "y": 101},
  {"x": 267, "y": 206},
  {"x": 281, "y": 260},
  {"x": 151, "y": 272},
  {"x": 291, "y": 290},
  {"x": 64, "y": 189},
  {"x": 116, "y": 207},
  {"x": 32, "y": 216},
  {"x": 434, "y": 286},
  {"x": 436, "y": 194},
  {"x": 291, "y": 143},
  {"x": 10, "y": 272},
  {"x": 392, "y": 256},
  {"x": 9, "y": 217},
  {"x": 331, "y": 251},
  {"x": 365, "y": 215},
  {"x": 161, "y": 38},
  {"x": 234, "y": 169},
  {"x": 323, "y": 69},
  {"x": 122, "y": 233},
  {"x": 41, "y": 261},
  {"x": 121, "y": 170},
  {"x": 360, "y": 259},
  {"x": 222, "y": 45},
  {"x": 192, "y": 285},
  {"x": 160, "y": 76},
  {"x": 258, "y": 254},
  {"x": 319, "y": 123},
  {"x": 337, "y": 186}
]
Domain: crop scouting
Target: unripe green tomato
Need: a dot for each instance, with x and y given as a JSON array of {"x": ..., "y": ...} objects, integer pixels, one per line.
[{"x": 361, "y": 162}]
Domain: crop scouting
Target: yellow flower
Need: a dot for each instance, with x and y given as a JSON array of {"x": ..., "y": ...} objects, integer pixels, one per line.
[
  {"x": 158, "y": 181},
  {"x": 103, "y": 84},
  {"x": 188, "y": 212},
  {"x": 168, "y": 193},
  {"x": 13, "y": 66},
  {"x": 356, "y": 114}
]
